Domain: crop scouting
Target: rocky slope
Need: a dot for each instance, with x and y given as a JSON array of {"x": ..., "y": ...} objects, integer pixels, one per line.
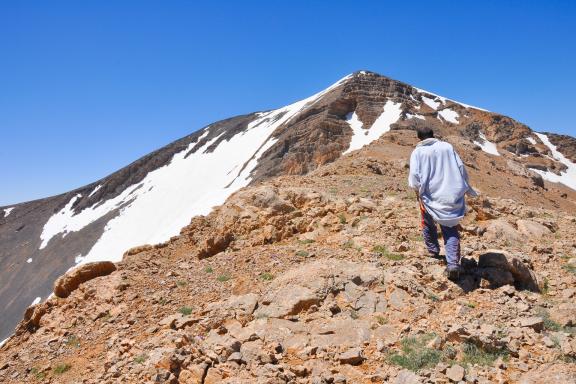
[
  {"x": 322, "y": 278},
  {"x": 41, "y": 240}
]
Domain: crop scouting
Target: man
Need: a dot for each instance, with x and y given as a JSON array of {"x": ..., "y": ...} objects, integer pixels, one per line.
[{"x": 439, "y": 178}]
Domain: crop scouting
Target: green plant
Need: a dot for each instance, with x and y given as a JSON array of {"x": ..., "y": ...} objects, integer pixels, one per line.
[
  {"x": 162, "y": 301},
  {"x": 342, "y": 218},
  {"x": 306, "y": 241},
  {"x": 208, "y": 269},
  {"x": 433, "y": 297},
  {"x": 181, "y": 283},
  {"x": 415, "y": 355},
  {"x": 302, "y": 253},
  {"x": 140, "y": 359},
  {"x": 570, "y": 268},
  {"x": 37, "y": 374},
  {"x": 73, "y": 341},
  {"x": 383, "y": 251},
  {"x": 353, "y": 314},
  {"x": 266, "y": 276},
  {"x": 381, "y": 320},
  {"x": 223, "y": 277},
  {"x": 59, "y": 369},
  {"x": 544, "y": 287},
  {"x": 472, "y": 354},
  {"x": 185, "y": 310},
  {"x": 471, "y": 304}
]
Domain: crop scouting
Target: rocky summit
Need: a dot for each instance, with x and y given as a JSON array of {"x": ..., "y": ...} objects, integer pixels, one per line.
[{"x": 284, "y": 247}]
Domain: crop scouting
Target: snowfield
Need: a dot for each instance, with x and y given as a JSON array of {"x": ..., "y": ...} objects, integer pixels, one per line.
[
  {"x": 568, "y": 177},
  {"x": 361, "y": 136},
  {"x": 487, "y": 146},
  {"x": 164, "y": 202}
]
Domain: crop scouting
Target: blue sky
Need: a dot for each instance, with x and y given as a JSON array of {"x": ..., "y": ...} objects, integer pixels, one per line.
[{"x": 88, "y": 87}]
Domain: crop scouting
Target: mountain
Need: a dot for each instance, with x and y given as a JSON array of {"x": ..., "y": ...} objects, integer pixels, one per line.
[{"x": 153, "y": 200}]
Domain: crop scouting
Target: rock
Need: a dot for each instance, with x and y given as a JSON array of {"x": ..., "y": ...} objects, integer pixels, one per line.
[
  {"x": 235, "y": 357},
  {"x": 353, "y": 356},
  {"x": 532, "y": 229},
  {"x": 66, "y": 284},
  {"x": 524, "y": 277},
  {"x": 185, "y": 321},
  {"x": 455, "y": 373},
  {"x": 501, "y": 230},
  {"x": 536, "y": 323},
  {"x": 407, "y": 377},
  {"x": 564, "y": 314},
  {"x": 289, "y": 301}
]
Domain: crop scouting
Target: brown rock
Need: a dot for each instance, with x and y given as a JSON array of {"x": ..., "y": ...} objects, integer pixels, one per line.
[{"x": 66, "y": 284}]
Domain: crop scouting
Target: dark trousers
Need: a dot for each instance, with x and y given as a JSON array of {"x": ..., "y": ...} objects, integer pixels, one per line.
[{"x": 450, "y": 234}]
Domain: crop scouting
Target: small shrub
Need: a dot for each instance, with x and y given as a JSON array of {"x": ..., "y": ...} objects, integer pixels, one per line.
[
  {"x": 306, "y": 241},
  {"x": 208, "y": 269},
  {"x": 59, "y": 369},
  {"x": 415, "y": 355},
  {"x": 181, "y": 283},
  {"x": 302, "y": 253},
  {"x": 73, "y": 341},
  {"x": 472, "y": 354},
  {"x": 342, "y": 218},
  {"x": 383, "y": 251},
  {"x": 223, "y": 278},
  {"x": 266, "y": 276},
  {"x": 570, "y": 268},
  {"x": 140, "y": 359},
  {"x": 37, "y": 374},
  {"x": 185, "y": 310},
  {"x": 433, "y": 297},
  {"x": 471, "y": 304},
  {"x": 381, "y": 320}
]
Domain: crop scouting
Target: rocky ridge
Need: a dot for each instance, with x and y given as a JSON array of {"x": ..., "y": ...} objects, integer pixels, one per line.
[{"x": 322, "y": 278}]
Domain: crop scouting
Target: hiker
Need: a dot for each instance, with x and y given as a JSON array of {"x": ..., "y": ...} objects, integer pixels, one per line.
[{"x": 440, "y": 181}]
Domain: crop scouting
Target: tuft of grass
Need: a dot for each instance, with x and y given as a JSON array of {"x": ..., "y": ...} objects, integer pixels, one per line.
[
  {"x": 570, "y": 268},
  {"x": 415, "y": 355},
  {"x": 140, "y": 359},
  {"x": 37, "y": 374},
  {"x": 306, "y": 241},
  {"x": 544, "y": 287},
  {"x": 342, "y": 218},
  {"x": 472, "y": 354},
  {"x": 381, "y": 320},
  {"x": 266, "y": 276},
  {"x": 302, "y": 253},
  {"x": 181, "y": 283},
  {"x": 384, "y": 252},
  {"x": 223, "y": 277},
  {"x": 162, "y": 301},
  {"x": 349, "y": 244},
  {"x": 471, "y": 304},
  {"x": 433, "y": 297},
  {"x": 208, "y": 269},
  {"x": 185, "y": 310},
  {"x": 73, "y": 341},
  {"x": 60, "y": 369}
]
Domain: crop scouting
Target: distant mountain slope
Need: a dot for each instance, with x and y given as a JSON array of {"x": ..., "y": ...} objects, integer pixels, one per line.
[{"x": 150, "y": 200}]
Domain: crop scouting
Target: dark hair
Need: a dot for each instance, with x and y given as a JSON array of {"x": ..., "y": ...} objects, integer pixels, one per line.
[{"x": 424, "y": 133}]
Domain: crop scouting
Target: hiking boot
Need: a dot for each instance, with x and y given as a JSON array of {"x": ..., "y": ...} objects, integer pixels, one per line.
[
  {"x": 453, "y": 272},
  {"x": 437, "y": 256}
]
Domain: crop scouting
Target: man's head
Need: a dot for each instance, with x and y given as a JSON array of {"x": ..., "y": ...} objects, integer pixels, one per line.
[{"x": 424, "y": 133}]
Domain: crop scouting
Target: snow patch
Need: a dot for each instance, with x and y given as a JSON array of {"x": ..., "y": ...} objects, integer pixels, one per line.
[
  {"x": 531, "y": 140},
  {"x": 8, "y": 211},
  {"x": 78, "y": 259},
  {"x": 36, "y": 301},
  {"x": 449, "y": 115},
  {"x": 409, "y": 116},
  {"x": 160, "y": 205},
  {"x": 29, "y": 260},
  {"x": 95, "y": 190},
  {"x": 568, "y": 177},
  {"x": 4, "y": 341},
  {"x": 486, "y": 145},
  {"x": 431, "y": 102},
  {"x": 444, "y": 100},
  {"x": 361, "y": 136}
]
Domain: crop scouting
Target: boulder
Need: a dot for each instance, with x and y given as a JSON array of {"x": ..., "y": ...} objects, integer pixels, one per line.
[
  {"x": 353, "y": 356},
  {"x": 532, "y": 229},
  {"x": 68, "y": 283},
  {"x": 494, "y": 260},
  {"x": 455, "y": 373}
]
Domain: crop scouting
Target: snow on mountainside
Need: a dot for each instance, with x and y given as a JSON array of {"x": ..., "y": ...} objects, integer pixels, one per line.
[{"x": 150, "y": 200}]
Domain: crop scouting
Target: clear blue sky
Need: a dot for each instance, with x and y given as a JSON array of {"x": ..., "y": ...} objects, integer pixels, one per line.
[{"x": 86, "y": 87}]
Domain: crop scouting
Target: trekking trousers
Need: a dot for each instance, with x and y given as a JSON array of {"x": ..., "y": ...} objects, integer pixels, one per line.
[{"x": 450, "y": 234}]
